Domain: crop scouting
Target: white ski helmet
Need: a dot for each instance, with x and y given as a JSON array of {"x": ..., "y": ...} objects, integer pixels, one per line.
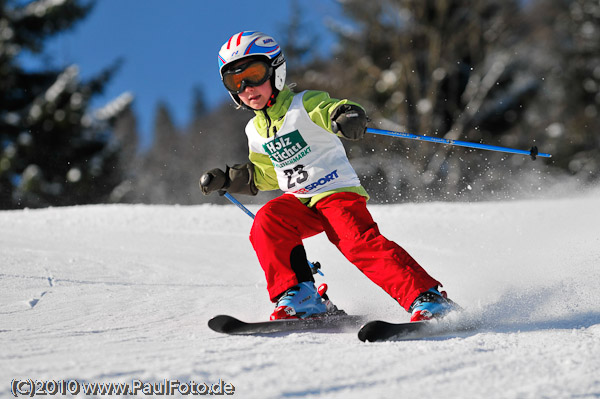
[{"x": 248, "y": 44}]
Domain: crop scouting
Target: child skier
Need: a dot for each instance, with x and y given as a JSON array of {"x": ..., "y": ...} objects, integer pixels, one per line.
[{"x": 294, "y": 146}]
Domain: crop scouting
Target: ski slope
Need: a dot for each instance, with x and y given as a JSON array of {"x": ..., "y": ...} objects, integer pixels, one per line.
[{"x": 122, "y": 293}]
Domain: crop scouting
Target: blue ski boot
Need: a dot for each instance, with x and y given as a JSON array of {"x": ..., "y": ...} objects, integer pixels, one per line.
[
  {"x": 302, "y": 301},
  {"x": 430, "y": 305}
]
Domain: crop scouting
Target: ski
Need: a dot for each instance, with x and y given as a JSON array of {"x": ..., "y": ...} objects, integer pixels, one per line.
[
  {"x": 378, "y": 330},
  {"x": 230, "y": 325}
]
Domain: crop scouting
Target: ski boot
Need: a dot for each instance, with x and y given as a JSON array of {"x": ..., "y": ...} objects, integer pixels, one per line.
[
  {"x": 303, "y": 301},
  {"x": 430, "y": 305}
]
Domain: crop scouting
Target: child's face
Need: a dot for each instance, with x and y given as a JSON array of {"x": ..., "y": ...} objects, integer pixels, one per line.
[{"x": 257, "y": 97}]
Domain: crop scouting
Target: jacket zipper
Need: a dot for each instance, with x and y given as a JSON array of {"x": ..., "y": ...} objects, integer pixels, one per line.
[{"x": 269, "y": 124}]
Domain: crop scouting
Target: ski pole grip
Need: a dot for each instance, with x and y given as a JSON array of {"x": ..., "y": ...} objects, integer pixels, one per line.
[{"x": 205, "y": 179}]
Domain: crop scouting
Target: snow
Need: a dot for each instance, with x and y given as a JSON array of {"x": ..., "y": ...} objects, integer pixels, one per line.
[{"x": 122, "y": 293}]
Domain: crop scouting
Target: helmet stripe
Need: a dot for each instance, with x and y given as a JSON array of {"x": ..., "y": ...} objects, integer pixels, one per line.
[{"x": 250, "y": 46}]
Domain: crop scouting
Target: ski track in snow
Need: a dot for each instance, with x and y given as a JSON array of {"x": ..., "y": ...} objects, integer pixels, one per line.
[{"x": 115, "y": 293}]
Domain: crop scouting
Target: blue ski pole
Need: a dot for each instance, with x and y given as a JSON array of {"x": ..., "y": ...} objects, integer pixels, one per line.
[
  {"x": 314, "y": 267},
  {"x": 238, "y": 204},
  {"x": 533, "y": 152}
]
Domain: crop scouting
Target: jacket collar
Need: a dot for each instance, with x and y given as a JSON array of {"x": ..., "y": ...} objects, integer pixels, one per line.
[{"x": 277, "y": 110}]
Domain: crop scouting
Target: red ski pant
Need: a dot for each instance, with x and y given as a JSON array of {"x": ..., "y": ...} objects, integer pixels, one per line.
[{"x": 282, "y": 223}]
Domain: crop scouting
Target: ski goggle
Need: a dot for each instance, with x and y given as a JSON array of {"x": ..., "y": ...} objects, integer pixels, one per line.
[{"x": 251, "y": 74}]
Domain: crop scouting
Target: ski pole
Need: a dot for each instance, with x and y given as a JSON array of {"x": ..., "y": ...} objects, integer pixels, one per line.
[
  {"x": 205, "y": 180},
  {"x": 237, "y": 203},
  {"x": 314, "y": 268},
  {"x": 533, "y": 152}
]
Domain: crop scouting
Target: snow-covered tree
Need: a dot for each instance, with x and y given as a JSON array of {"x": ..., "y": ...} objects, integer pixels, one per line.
[{"x": 53, "y": 150}]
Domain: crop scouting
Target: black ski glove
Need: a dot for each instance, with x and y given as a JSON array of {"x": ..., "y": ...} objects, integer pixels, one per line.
[
  {"x": 349, "y": 120},
  {"x": 236, "y": 179}
]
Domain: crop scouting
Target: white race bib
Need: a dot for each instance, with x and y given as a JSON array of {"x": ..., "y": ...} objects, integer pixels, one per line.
[{"x": 308, "y": 159}]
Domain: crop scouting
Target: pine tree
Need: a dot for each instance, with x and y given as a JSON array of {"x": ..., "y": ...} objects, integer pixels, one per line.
[
  {"x": 53, "y": 151},
  {"x": 160, "y": 164},
  {"x": 126, "y": 132}
]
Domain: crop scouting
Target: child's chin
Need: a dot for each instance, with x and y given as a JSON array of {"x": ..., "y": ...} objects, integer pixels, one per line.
[{"x": 255, "y": 105}]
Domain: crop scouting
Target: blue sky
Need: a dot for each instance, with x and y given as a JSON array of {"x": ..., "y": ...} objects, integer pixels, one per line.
[{"x": 171, "y": 46}]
